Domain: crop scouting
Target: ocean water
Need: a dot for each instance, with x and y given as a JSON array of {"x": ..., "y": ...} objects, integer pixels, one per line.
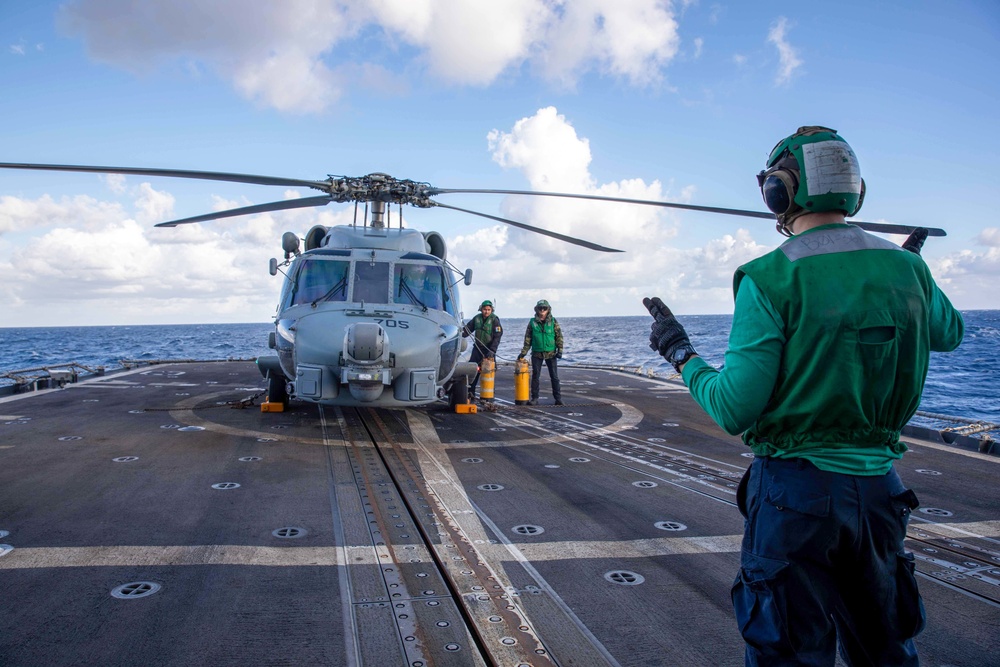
[{"x": 964, "y": 383}]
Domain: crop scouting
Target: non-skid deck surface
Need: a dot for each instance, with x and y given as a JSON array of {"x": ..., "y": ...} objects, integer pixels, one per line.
[{"x": 602, "y": 532}]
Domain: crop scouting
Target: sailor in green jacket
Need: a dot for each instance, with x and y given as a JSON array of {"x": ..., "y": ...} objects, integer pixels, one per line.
[
  {"x": 545, "y": 340},
  {"x": 486, "y": 333},
  {"x": 827, "y": 359}
]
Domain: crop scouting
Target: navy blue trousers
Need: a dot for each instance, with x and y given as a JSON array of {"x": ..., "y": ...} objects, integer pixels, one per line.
[
  {"x": 476, "y": 358},
  {"x": 536, "y": 371},
  {"x": 823, "y": 560}
]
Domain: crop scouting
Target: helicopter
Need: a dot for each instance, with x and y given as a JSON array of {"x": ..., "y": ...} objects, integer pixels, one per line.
[{"x": 369, "y": 314}]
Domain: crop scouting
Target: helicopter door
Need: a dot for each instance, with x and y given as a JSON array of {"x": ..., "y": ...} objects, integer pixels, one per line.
[{"x": 371, "y": 282}]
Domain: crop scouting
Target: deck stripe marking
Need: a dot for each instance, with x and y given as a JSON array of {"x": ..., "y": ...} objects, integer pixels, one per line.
[
  {"x": 981, "y": 529},
  {"x": 144, "y": 556},
  {"x": 363, "y": 554},
  {"x": 183, "y": 411},
  {"x": 453, "y": 496},
  {"x": 645, "y": 548},
  {"x": 951, "y": 449}
]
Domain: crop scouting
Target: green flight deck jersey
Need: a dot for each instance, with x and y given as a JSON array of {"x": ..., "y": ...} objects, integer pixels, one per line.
[{"x": 829, "y": 349}]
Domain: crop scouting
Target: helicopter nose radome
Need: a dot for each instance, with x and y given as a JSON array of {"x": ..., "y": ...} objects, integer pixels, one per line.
[{"x": 366, "y": 353}]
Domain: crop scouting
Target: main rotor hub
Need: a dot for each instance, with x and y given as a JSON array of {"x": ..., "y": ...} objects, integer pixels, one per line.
[{"x": 378, "y": 187}]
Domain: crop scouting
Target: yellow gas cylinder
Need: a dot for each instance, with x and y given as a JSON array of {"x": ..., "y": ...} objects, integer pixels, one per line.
[
  {"x": 522, "y": 382},
  {"x": 487, "y": 375}
]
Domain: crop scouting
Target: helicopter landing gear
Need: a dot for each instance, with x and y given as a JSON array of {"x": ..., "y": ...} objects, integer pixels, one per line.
[
  {"x": 459, "y": 392},
  {"x": 277, "y": 393}
]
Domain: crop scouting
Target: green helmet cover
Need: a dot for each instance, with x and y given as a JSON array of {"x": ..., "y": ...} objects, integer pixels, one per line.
[
  {"x": 828, "y": 171},
  {"x": 485, "y": 303},
  {"x": 542, "y": 304}
]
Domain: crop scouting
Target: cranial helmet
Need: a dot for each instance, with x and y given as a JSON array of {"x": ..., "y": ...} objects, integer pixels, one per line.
[
  {"x": 542, "y": 304},
  {"x": 811, "y": 171},
  {"x": 485, "y": 303}
]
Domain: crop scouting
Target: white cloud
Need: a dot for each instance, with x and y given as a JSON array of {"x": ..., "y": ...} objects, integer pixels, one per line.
[
  {"x": 111, "y": 266},
  {"x": 632, "y": 39},
  {"x": 299, "y": 55},
  {"x": 788, "y": 55},
  {"x": 271, "y": 52},
  {"x": 989, "y": 237},
  {"x": 115, "y": 182},
  {"x": 153, "y": 206},
  {"x": 520, "y": 266},
  {"x": 17, "y": 49},
  {"x": 17, "y": 214},
  {"x": 466, "y": 42},
  {"x": 969, "y": 277}
]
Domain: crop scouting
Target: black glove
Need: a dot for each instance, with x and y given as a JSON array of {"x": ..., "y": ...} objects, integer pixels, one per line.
[
  {"x": 520, "y": 356},
  {"x": 667, "y": 336},
  {"x": 558, "y": 355},
  {"x": 915, "y": 241}
]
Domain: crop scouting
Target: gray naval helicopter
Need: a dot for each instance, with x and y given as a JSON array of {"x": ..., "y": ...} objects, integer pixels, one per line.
[{"x": 369, "y": 314}]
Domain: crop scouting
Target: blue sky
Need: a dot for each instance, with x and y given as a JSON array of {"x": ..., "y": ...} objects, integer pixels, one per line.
[{"x": 680, "y": 101}]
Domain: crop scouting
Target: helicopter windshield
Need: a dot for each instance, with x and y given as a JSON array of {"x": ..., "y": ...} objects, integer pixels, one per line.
[
  {"x": 371, "y": 282},
  {"x": 420, "y": 285},
  {"x": 321, "y": 280}
]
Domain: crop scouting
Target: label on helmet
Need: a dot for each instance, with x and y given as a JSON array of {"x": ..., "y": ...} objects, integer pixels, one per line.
[{"x": 830, "y": 166}]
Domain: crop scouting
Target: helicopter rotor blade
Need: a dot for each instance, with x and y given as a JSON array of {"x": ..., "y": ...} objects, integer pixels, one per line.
[
  {"x": 284, "y": 205},
  {"x": 347, "y": 190},
  {"x": 884, "y": 228},
  {"x": 537, "y": 230},
  {"x": 647, "y": 202},
  {"x": 890, "y": 228},
  {"x": 175, "y": 173}
]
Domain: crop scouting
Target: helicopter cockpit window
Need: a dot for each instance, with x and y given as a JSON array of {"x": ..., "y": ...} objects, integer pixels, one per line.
[
  {"x": 321, "y": 280},
  {"x": 371, "y": 282},
  {"x": 420, "y": 285}
]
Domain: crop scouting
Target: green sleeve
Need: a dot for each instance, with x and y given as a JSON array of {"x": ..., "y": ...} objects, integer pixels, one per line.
[
  {"x": 946, "y": 324},
  {"x": 737, "y": 394},
  {"x": 527, "y": 340}
]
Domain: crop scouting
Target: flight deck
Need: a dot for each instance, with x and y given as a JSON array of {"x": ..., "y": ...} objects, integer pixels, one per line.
[{"x": 158, "y": 517}]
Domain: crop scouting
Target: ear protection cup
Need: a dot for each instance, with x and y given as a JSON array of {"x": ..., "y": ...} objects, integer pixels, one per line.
[
  {"x": 861, "y": 199},
  {"x": 778, "y": 189}
]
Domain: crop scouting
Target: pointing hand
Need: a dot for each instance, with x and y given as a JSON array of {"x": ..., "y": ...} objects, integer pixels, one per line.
[
  {"x": 667, "y": 336},
  {"x": 915, "y": 241}
]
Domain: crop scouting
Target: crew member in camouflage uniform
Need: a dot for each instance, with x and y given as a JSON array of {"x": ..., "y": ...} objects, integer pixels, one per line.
[
  {"x": 486, "y": 339},
  {"x": 828, "y": 354},
  {"x": 545, "y": 340}
]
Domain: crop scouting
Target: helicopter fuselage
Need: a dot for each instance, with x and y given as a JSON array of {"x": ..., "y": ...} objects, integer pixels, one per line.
[{"x": 368, "y": 317}]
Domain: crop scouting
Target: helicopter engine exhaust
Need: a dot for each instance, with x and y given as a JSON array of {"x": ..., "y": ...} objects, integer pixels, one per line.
[{"x": 367, "y": 361}]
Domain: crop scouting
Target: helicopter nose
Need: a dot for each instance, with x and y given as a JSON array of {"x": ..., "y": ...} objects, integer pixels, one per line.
[
  {"x": 366, "y": 342},
  {"x": 366, "y": 350}
]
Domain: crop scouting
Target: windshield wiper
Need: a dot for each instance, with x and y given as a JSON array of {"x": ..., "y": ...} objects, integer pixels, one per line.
[
  {"x": 403, "y": 287},
  {"x": 333, "y": 290}
]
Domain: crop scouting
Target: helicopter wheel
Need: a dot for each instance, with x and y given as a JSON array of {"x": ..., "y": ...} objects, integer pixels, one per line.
[
  {"x": 459, "y": 394},
  {"x": 276, "y": 389}
]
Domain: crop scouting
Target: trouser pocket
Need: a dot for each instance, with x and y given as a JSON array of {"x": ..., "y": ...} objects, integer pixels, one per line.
[
  {"x": 741, "y": 493},
  {"x": 909, "y": 607},
  {"x": 760, "y": 610}
]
